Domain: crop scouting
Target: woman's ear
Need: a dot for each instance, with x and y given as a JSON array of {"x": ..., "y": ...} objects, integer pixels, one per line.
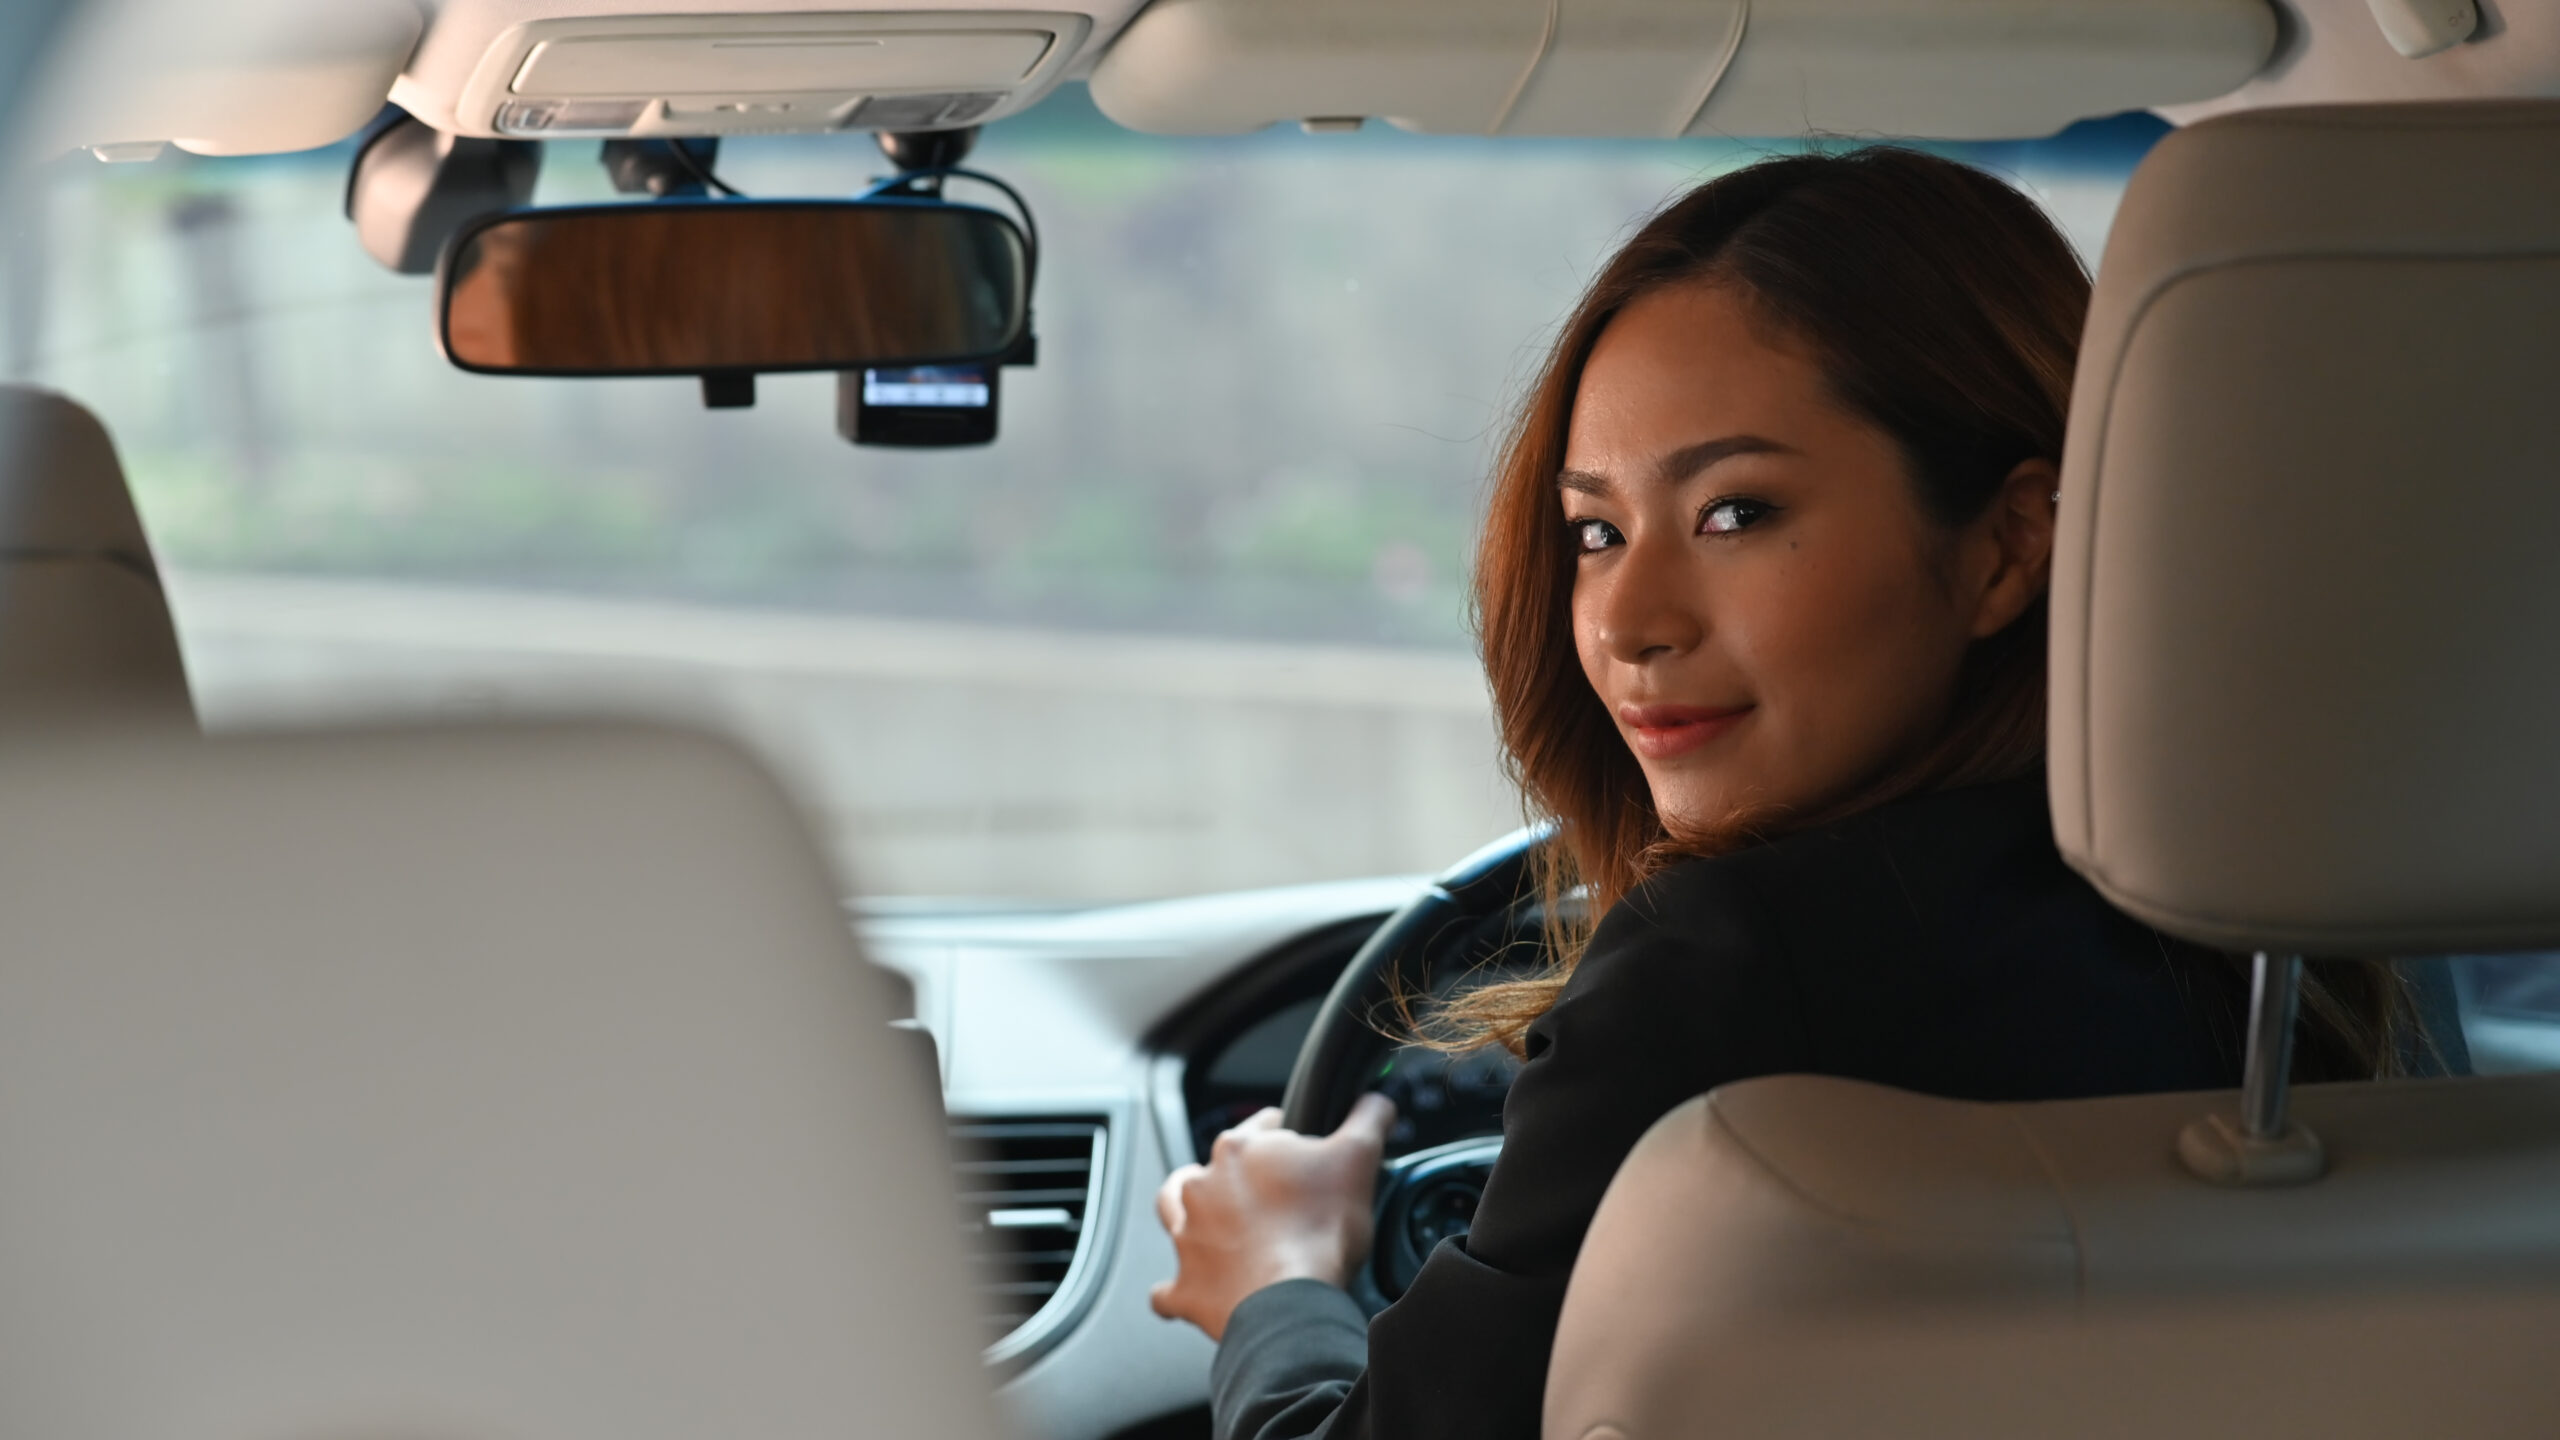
[{"x": 2014, "y": 539}]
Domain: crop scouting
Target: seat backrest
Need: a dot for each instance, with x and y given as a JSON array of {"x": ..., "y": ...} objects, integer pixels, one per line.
[
  {"x": 454, "y": 1085},
  {"x": 84, "y": 628},
  {"x": 2303, "y": 700},
  {"x": 1833, "y": 1211},
  {"x": 2473, "y": 1365}
]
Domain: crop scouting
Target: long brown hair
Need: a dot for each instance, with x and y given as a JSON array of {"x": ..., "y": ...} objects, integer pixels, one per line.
[{"x": 1945, "y": 309}]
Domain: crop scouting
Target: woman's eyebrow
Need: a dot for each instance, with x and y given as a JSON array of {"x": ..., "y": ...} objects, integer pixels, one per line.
[
  {"x": 1680, "y": 464},
  {"x": 1688, "y": 460}
]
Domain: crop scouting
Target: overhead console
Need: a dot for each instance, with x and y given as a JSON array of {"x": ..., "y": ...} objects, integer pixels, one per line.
[
  {"x": 485, "y": 70},
  {"x": 1952, "y": 69}
]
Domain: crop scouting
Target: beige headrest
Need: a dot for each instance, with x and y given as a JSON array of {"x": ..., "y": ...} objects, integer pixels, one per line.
[
  {"x": 84, "y": 628},
  {"x": 2306, "y": 650},
  {"x": 455, "y": 1083}
]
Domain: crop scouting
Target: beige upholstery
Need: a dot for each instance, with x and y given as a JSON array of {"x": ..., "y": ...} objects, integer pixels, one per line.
[
  {"x": 2475, "y": 1365},
  {"x": 1818, "y": 1206},
  {"x": 1830, "y": 1196},
  {"x": 2305, "y": 614},
  {"x": 510, "y": 1085},
  {"x": 84, "y": 629},
  {"x": 2306, "y": 697}
]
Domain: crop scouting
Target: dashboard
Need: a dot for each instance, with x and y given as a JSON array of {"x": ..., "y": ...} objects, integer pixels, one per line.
[{"x": 1084, "y": 1054}]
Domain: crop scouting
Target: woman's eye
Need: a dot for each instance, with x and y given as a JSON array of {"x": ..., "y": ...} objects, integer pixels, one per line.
[
  {"x": 1724, "y": 517},
  {"x": 1593, "y": 535}
]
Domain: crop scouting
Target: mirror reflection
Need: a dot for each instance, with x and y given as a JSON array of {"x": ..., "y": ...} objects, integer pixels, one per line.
[{"x": 676, "y": 288}]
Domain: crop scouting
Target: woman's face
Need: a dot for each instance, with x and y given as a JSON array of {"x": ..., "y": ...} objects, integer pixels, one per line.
[{"x": 1759, "y": 599}]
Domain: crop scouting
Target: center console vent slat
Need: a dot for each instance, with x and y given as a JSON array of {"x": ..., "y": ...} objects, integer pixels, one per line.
[{"x": 1027, "y": 1189}]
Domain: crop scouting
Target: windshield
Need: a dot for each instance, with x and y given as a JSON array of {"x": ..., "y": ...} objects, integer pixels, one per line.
[{"x": 1195, "y": 621}]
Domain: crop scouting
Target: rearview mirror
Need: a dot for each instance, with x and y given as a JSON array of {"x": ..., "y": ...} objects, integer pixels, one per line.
[{"x": 681, "y": 288}]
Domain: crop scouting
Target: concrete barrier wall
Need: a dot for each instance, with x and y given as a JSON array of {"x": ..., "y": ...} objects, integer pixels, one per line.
[{"x": 934, "y": 757}]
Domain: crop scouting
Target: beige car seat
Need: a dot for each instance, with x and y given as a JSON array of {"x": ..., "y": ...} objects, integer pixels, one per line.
[
  {"x": 2306, "y": 699},
  {"x": 84, "y": 628},
  {"x": 462, "y": 1085}
]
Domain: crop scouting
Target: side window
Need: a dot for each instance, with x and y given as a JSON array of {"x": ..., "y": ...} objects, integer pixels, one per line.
[{"x": 2510, "y": 1011}]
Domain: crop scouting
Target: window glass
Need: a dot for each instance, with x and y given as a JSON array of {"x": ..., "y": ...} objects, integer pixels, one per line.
[
  {"x": 2510, "y": 1011},
  {"x": 1195, "y": 621}
]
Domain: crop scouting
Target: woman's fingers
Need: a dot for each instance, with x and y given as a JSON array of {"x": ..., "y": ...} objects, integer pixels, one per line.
[
  {"x": 1169, "y": 1206},
  {"x": 1170, "y": 1300},
  {"x": 1270, "y": 1205},
  {"x": 1232, "y": 1139},
  {"x": 1369, "y": 1121}
]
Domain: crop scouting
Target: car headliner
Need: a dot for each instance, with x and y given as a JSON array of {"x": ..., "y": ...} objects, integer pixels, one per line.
[{"x": 250, "y": 75}]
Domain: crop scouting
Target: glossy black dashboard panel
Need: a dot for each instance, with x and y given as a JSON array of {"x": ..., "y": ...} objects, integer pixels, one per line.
[
  {"x": 1442, "y": 1097},
  {"x": 1236, "y": 1043},
  {"x": 1439, "y": 1097}
]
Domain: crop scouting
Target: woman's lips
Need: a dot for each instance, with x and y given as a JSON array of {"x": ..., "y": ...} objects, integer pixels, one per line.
[{"x": 1661, "y": 732}]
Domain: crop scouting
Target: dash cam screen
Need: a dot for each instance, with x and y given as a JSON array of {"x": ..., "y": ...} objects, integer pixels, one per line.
[
  {"x": 918, "y": 405},
  {"x": 938, "y": 387}
]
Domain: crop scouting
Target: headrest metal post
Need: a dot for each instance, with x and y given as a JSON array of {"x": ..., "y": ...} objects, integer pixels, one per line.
[
  {"x": 2261, "y": 1145},
  {"x": 2275, "y": 1001}
]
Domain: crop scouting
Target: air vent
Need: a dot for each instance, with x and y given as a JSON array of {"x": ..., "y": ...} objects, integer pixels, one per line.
[{"x": 1026, "y": 1188}]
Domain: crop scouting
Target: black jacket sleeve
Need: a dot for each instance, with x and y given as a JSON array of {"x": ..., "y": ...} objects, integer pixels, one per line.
[
  {"x": 1684, "y": 988},
  {"x": 1291, "y": 1353}
]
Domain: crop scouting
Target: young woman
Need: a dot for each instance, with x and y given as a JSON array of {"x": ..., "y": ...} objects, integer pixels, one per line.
[{"x": 1762, "y": 599}]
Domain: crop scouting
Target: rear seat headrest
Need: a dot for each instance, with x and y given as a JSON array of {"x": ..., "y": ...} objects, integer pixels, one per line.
[
  {"x": 2306, "y": 650},
  {"x": 84, "y": 627}
]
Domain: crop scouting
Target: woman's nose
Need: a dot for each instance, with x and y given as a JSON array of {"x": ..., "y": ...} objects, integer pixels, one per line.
[{"x": 1651, "y": 607}]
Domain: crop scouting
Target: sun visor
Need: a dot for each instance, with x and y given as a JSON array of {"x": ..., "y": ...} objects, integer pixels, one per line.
[
  {"x": 252, "y": 78},
  {"x": 1952, "y": 69}
]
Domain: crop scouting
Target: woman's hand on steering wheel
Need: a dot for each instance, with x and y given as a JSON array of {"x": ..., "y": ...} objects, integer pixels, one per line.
[{"x": 1271, "y": 1205}]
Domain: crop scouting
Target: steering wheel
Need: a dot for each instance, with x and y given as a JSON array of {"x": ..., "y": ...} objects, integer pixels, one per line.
[{"x": 1429, "y": 1195}]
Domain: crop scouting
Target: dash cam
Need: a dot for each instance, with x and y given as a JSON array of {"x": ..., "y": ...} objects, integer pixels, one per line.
[{"x": 921, "y": 405}]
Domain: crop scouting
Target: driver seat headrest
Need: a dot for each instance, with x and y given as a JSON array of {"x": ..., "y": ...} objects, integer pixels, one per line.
[
  {"x": 84, "y": 627},
  {"x": 2304, "y": 607}
]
